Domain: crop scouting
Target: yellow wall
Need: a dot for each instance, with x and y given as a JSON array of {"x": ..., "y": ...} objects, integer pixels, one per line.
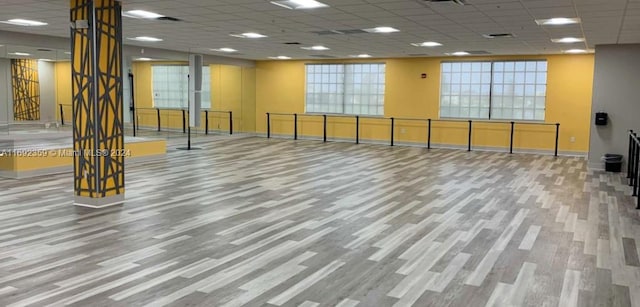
[
  {"x": 280, "y": 87},
  {"x": 63, "y": 89}
]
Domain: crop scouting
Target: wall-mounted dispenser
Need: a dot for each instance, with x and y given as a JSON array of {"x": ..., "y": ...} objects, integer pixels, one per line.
[{"x": 601, "y": 119}]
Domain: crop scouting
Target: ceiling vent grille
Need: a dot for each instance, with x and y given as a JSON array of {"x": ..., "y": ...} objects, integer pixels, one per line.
[
  {"x": 168, "y": 18},
  {"x": 498, "y": 35},
  {"x": 478, "y": 52},
  {"x": 339, "y": 32},
  {"x": 459, "y": 2},
  {"x": 324, "y": 56}
]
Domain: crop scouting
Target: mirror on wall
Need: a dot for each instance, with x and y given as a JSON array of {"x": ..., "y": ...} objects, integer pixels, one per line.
[{"x": 28, "y": 82}]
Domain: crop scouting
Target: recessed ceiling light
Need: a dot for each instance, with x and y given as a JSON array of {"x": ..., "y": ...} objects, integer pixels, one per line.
[
  {"x": 381, "y": 30},
  {"x": 20, "y": 53},
  {"x": 142, "y": 59},
  {"x": 557, "y": 21},
  {"x": 300, "y": 4},
  {"x": 427, "y": 44},
  {"x": 567, "y": 40},
  {"x": 316, "y": 48},
  {"x": 458, "y": 53},
  {"x": 364, "y": 55},
  {"x": 577, "y": 51},
  {"x": 141, "y": 14},
  {"x": 145, "y": 39},
  {"x": 67, "y": 52},
  {"x": 280, "y": 57},
  {"x": 225, "y": 50},
  {"x": 249, "y": 35},
  {"x": 46, "y": 60},
  {"x": 24, "y": 22}
]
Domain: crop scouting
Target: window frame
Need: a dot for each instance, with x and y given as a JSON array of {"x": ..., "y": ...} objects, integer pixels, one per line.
[
  {"x": 491, "y": 85},
  {"x": 344, "y": 92}
]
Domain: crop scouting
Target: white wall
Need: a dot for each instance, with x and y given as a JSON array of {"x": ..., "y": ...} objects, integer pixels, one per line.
[
  {"x": 616, "y": 91},
  {"x": 46, "y": 74}
]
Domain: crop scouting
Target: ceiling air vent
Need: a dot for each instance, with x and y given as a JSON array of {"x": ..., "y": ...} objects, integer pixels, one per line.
[
  {"x": 417, "y": 54},
  {"x": 498, "y": 35},
  {"x": 339, "y": 32},
  {"x": 478, "y": 52},
  {"x": 460, "y": 2},
  {"x": 324, "y": 56},
  {"x": 292, "y": 43},
  {"x": 167, "y": 18},
  {"x": 352, "y": 31},
  {"x": 327, "y": 32}
]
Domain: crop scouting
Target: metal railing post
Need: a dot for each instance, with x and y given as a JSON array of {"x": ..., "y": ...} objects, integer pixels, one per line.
[
  {"x": 206, "y": 121},
  {"x": 557, "y": 138},
  {"x": 429, "y": 134},
  {"x": 184, "y": 121},
  {"x": 470, "y": 128},
  {"x": 392, "y": 128},
  {"x": 295, "y": 126},
  {"x": 635, "y": 171},
  {"x": 629, "y": 154},
  {"x": 324, "y": 128},
  {"x": 357, "y": 129},
  {"x": 158, "y": 118},
  {"x": 513, "y": 124},
  {"x": 634, "y": 158},
  {"x": 231, "y": 122},
  {"x": 268, "y": 125},
  {"x": 61, "y": 116}
]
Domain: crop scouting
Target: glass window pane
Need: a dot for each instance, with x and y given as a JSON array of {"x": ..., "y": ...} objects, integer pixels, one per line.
[
  {"x": 446, "y": 67},
  {"x": 463, "y": 89},
  {"x": 542, "y": 66}
]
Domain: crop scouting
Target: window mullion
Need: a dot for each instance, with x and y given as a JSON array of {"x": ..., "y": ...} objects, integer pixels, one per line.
[
  {"x": 491, "y": 91},
  {"x": 344, "y": 88}
]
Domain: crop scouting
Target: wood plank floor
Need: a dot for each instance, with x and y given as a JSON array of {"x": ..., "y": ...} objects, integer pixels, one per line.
[{"x": 258, "y": 222}]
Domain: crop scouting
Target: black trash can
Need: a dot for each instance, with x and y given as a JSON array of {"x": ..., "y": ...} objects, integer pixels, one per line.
[{"x": 612, "y": 163}]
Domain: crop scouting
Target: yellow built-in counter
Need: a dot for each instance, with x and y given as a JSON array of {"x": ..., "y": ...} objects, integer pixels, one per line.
[{"x": 23, "y": 163}]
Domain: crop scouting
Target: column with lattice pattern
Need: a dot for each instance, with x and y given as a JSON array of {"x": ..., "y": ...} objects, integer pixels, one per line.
[{"x": 98, "y": 137}]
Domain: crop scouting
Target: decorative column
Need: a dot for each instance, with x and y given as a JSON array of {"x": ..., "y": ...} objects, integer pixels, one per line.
[{"x": 98, "y": 137}]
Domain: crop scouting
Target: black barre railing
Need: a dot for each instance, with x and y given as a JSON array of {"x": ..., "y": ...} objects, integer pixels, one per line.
[
  {"x": 184, "y": 113},
  {"x": 393, "y": 121},
  {"x": 633, "y": 167}
]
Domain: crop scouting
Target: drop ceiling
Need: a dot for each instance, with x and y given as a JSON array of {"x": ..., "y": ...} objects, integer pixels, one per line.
[{"x": 206, "y": 24}]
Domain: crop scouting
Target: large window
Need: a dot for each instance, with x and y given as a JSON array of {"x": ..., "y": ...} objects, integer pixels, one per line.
[
  {"x": 171, "y": 86},
  {"x": 345, "y": 88},
  {"x": 494, "y": 90}
]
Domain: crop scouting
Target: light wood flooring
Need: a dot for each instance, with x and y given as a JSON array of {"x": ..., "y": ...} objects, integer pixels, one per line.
[{"x": 268, "y": 222}]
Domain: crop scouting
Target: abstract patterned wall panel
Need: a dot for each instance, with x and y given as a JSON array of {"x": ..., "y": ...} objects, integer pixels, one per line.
[
  {"x": 26, "y": 89},
  {"x": 97, "y": 98}
]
